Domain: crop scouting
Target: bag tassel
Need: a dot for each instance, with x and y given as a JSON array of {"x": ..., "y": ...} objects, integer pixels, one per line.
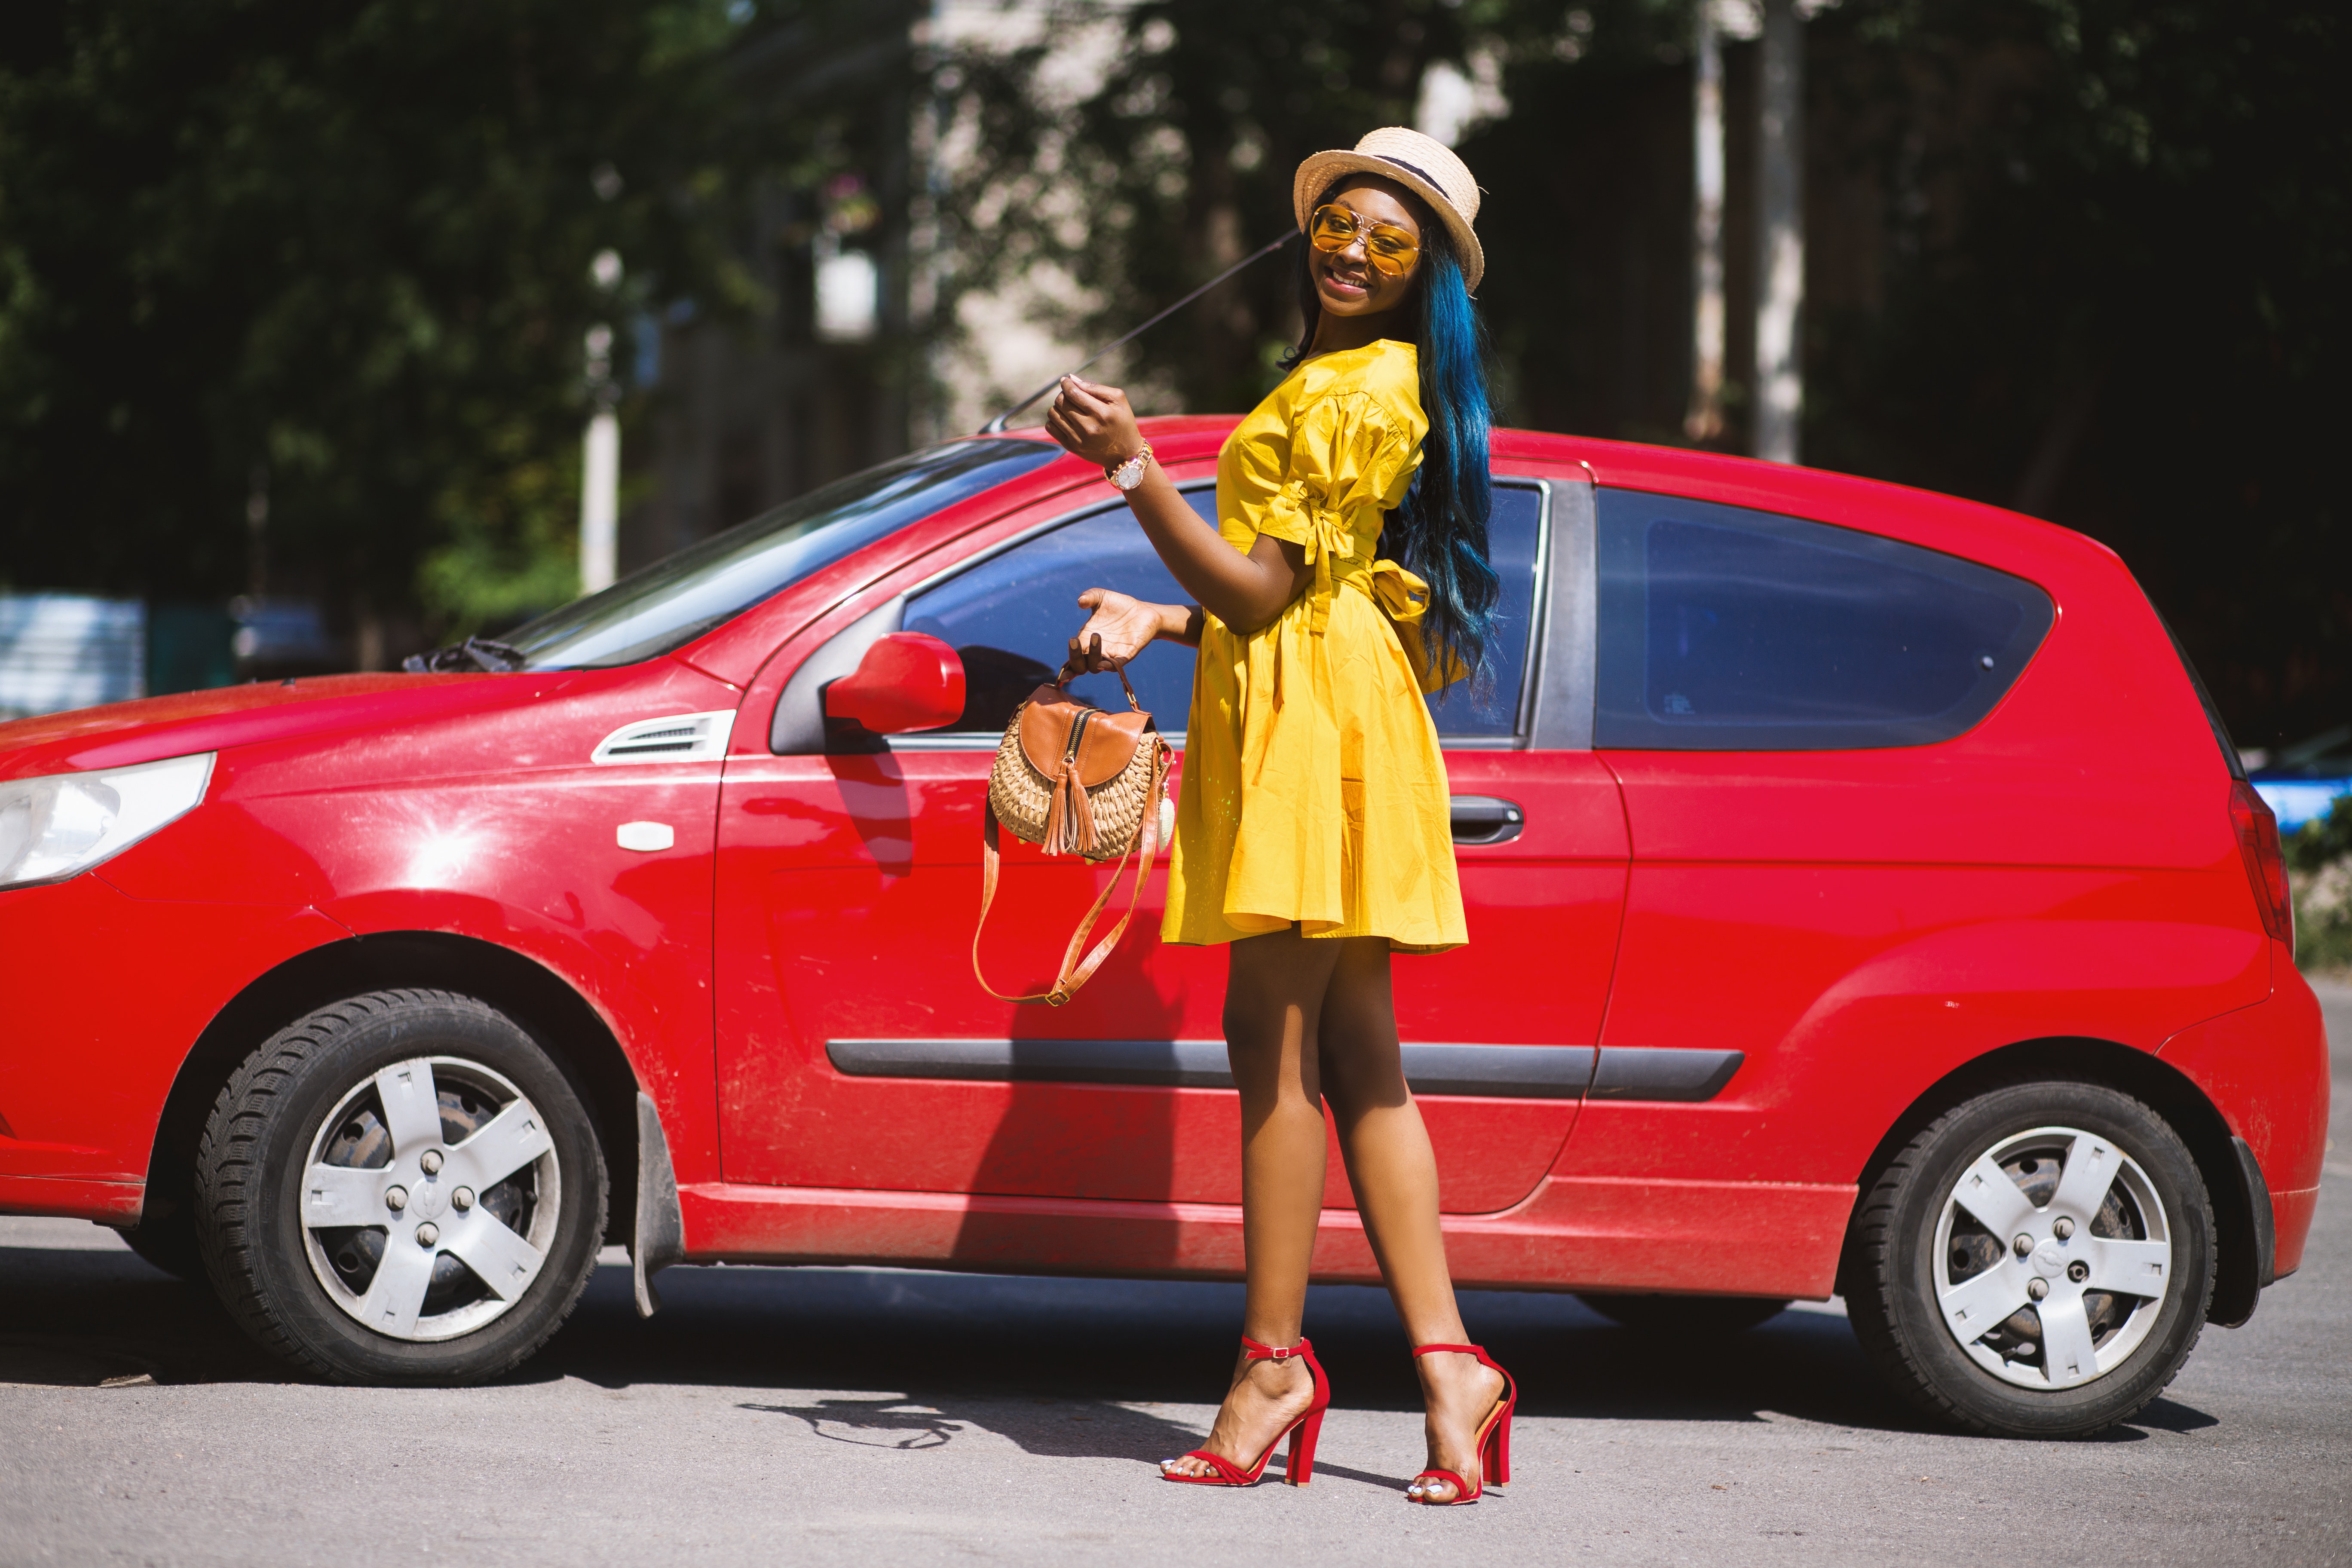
[
  {"x": 1053, "y": 843},
  {"x": 1080, "y": 831}
]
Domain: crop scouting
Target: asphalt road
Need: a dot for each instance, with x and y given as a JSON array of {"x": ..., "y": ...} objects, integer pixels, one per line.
[{"x": 877, "y": 1416}]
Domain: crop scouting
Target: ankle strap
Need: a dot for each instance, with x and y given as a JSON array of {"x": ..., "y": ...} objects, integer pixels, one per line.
[
  {"x": 1256, "y": 1352},
  {"x": 1484, "y": 1359}
]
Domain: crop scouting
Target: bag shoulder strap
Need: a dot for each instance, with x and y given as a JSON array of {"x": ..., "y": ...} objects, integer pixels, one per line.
[{"x": 1075, "y": 973}]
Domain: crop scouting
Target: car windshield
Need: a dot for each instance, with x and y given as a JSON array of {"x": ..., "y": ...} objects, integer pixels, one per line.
[{"x": 678, "y": 598}]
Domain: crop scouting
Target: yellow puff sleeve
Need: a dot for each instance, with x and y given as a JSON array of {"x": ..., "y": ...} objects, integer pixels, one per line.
[{"x": 1352, "y": 460}]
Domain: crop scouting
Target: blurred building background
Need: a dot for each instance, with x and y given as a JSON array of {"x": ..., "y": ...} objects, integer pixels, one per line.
[
  {"x": 822, "y": 375},
  {"x": 301, "y": 306}
]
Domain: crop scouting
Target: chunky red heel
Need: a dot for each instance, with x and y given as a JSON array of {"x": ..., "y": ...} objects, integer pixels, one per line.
[
  {"x": 1492, "y": 1444},
  {"x": 1300, "y": 1468}
]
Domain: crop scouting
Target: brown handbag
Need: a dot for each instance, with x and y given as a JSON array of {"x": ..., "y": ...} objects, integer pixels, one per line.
[{"x": 1075, "y": 780}]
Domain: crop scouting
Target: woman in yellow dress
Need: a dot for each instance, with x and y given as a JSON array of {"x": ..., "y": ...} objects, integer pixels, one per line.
[{"x": 1346, "y": 576}]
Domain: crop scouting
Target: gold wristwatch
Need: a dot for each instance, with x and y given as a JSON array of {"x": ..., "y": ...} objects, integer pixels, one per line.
[{"x": 1130, "y": 474}]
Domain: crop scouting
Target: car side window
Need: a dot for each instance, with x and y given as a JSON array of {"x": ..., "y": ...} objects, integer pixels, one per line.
[
  {"x": 1011, "y": 616},
  {"x": 1490, "y": 709},
  {"x": 1728, "y": 629}
]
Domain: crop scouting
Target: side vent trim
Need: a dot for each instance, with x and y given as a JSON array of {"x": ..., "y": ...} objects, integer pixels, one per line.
[{"x": 680, "y": 738}]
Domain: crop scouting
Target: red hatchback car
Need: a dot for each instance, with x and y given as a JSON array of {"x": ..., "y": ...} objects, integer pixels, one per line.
[{"x": 1862, "y": 896}]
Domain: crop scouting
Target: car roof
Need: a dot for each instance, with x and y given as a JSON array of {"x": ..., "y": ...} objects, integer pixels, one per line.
[{"x": 2000, "y": 537}]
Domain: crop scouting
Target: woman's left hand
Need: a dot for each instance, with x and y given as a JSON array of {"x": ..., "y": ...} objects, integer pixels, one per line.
[
  {"x": 1120, "y": 627},
  {"x": 1095, "y": 422}
]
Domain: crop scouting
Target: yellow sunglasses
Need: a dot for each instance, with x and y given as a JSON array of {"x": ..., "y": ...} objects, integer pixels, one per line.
[{"x": 1391, "y": 249}]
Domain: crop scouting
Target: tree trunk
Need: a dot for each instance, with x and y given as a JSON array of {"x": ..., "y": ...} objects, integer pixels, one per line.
[
  {"x": 1705, "y": 420},
  {"x": 1780, "y": 231}
]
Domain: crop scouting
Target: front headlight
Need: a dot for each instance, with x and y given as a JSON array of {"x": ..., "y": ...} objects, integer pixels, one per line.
[{"x": 59, "y": 827}]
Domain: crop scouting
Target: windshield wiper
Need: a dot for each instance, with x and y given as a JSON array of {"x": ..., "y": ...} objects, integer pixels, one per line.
[{"x": 474, "y": 653}]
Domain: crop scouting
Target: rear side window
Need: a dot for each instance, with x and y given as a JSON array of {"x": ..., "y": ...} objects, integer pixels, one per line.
[{"x": 1726, "y": 629}]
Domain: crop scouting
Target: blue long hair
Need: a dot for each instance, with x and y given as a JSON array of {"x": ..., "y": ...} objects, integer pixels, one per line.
[{"x": 1438, "y": 531}]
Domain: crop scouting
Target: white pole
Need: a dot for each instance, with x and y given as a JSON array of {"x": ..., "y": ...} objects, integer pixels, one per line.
[
  {"x": 600, "y": 466},
  {"x": 1780, "y": 231},
  {"x": 600, "y": 502},
  {"x": 1705, "y": 420}
]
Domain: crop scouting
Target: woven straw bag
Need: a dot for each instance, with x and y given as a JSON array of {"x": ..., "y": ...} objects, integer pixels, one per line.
[{"x": 1075, "y": 780}]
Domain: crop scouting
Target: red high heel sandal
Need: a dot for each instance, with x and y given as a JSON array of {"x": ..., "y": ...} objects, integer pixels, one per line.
[
  {"x": 1493, "y": 1445},
  {"x": 1300, "y": 1466}
]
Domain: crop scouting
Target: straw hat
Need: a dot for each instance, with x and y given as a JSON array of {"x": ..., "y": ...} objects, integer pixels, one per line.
[{"x": 1422, "y": 164}]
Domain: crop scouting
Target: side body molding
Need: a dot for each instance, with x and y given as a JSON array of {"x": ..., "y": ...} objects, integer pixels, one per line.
[{"x": 1510, "y": 1072}]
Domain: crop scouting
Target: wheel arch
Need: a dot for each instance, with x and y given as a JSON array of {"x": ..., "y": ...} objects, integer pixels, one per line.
[
  {"x": 2238, "y": 1261},
  {"x": 553, "y": 1014}
]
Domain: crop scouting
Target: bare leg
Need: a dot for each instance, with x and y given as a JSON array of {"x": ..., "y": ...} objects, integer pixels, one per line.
[
  {"x": 1273, "y": 996},
  {"x": 1394, "y": 1174}
]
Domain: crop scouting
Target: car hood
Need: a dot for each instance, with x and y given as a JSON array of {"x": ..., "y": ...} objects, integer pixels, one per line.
[{"x": 152, "y": 728}]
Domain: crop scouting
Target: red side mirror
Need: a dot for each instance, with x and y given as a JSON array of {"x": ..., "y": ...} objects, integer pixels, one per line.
[{"x": 908, "y": 680}]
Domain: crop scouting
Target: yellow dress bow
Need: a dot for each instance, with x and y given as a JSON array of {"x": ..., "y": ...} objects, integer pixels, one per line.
[
  {"x": 1328, "y": 536},
  {"x": 1404, "y": 597}
]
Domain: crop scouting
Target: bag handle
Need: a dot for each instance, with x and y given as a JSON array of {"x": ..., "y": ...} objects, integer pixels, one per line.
[
  {"x": 1074, "y": 973},
  {"x": 1068, "y": 672}
]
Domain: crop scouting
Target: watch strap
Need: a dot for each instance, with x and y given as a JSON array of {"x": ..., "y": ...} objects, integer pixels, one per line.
[{"x": 1130, "y": 473}]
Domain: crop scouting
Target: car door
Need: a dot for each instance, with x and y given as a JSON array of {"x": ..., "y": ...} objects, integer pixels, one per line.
[{"x": 857, "y": 1051}]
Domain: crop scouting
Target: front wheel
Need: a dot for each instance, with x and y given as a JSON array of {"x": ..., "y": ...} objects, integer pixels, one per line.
[
  {"x": 2036, "y": 1263},
  {"x": 401, "y": 1187}
]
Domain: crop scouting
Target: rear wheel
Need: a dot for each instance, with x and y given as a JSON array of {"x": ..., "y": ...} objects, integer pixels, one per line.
[
  {"x": 2037, "y": 1263},
  {"x": 401, "y": 1187},
  {"x": 1683, "y": 1317}
]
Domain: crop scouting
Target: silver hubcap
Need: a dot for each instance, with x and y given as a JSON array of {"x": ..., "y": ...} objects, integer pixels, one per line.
[
  {"x": 2052, "y": 1259},
  {"x": 430, "y": 1198}
]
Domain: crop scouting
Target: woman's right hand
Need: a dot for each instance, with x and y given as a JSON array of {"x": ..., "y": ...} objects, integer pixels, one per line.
[{"x": 1121, "y": 626}]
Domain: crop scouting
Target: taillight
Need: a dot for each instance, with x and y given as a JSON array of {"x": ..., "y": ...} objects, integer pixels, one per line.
[{"x": 2258, "y": 844}]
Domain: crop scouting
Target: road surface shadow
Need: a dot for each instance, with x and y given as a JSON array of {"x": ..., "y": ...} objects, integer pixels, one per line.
[
  {"x": 81, "y": 1317},
  {"x": 1048, "y": 1428},
  {"x": 954, "y": 1349}
]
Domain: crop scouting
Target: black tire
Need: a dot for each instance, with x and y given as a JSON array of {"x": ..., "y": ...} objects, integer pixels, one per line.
[
  {"x": 168, "y": 1240},
  {"x": 278, "y": 1279},
  {"x": 1892, "y": 1274},
  {"x": 1683, "y": 1317}
]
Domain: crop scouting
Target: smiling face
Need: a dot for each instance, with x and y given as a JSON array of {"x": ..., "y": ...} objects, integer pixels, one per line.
[{"x": 1346, "y": 281}]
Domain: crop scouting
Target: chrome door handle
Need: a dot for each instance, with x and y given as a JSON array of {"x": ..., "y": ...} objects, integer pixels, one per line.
[{"x": 1486, "y": 819}]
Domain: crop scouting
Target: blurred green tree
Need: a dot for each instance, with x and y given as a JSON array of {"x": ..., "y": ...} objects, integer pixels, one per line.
[
  {"x": 2319, "y": 862},
  {"x": 330, "y": 264}
]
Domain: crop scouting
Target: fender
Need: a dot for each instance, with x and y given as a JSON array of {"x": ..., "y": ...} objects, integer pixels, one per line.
[
  {"x": 2265, "y": 1070},
  {"x": 126, "y": 987},
  {"x": 496, "y": 826}
]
